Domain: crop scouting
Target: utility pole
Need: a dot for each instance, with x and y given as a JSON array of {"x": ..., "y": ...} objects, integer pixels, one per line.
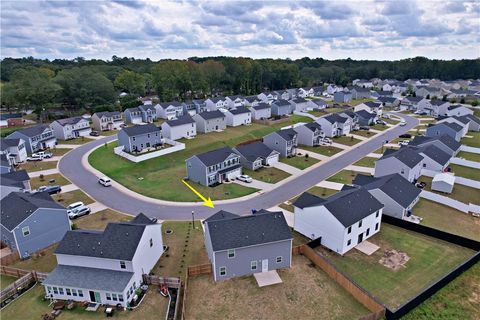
[{"x": 193, "y": 219}]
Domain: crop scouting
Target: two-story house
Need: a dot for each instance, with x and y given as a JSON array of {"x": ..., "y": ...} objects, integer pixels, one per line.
[
  {"x": 14, "y": 150},
  {"x": 405, "y": 161},
  {"x": 107, "y": 120},
  {"x": 334, "y": 125},
  {"x": 261, "y": 111},
  {"x": 370, "y": 106},
  {"x": 251, "y": 101},
  {"x": 169, "y": 110},
  {"x": 238, "y": 116},
  {"x": 341, "y": 221},
  {"x": 317, "y": 104},
  {"x": 214, "y": 167},
  {"x": 31, "y": 222},
  {"x": 133, "y": 115},
  {"x": 366, "y": 118},
  {"x": 268, "y": 97},
  {"x": 360, "y": 93},
  {"x": 234, "y": 101},
  {"x": 139, "y": 137},
  {"x": 148, "y": 112},
  {"x": 342, "y": 96},
  {"x": 310, "y": 134},
  {"x": 283, "y": 141},
  {"x": 299, "y": 104},
  {"x": 243, "y": 245},
  {"x": 256, "y": 155},
  {"x": 216, "y": 103},
  {"x": 457, "y": 110},
  {"x": 182, "y": 127},
  {"x": 210, "y": 121},
  {"x": 38, "y": 137},
  {"x": 281, "y": 108},
  {"x": 445, "y": 143},
  {"x": 14, "y": 181},
  {"x": 451, "y": 129},
  {"x": 105, "y": 267},
  {"x": 71, "y": 128}
]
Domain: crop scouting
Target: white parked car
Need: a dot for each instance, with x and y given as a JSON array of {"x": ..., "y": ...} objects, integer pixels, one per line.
[
  {"x": 326, "y": 140},
  {"x": 43, "y": 154},
  {"x": 245, "y": 178},
  {"x": 404, "y": 143},
  {"x": 35, "y": 157},
  {"x": 104, "y": 181},
  {"x": 77, "y": 209}
]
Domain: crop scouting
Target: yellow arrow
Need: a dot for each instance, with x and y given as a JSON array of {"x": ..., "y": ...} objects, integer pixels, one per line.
[{"x": 206, "y": 202}]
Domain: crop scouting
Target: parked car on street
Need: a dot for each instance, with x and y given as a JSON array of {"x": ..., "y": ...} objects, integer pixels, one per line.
[
  {"x": 403, "y": 123},
  {"x": 245, "y": 178},
  {"x": 50, "y": 189},
  {"x": 104, "y": 181},
  {"x": 381, "y": 122}
]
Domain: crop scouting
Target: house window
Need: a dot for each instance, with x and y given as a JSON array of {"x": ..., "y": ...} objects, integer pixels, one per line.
[
  {"x": 360, "y": 223},
  {"x": 148, "y": 135},
  {"x": 223, "y": 271},
  {"x": 253, "y": 265},
  {"x": 403, "y": 171},
  {"x": 231, "y": 253},
  {"x": 69, "y": 293},
  {"x": 376, "y": 227},
  {"x": 55, "y": 290},
  {"x": 133, "y": 138},
  {"x": 25, "y": 231},
  {"x": 279, "y": 259},
  {"x": 349, "y": 242},
  {"x": 151, "y": 243},
  {"x": 120, "y": 297},
  {"x": 123, "y": 265},
  {"x": 114, "y": 297},
  {"x": 368, "y": 231},
  {"x": 60, "y": 290},
  {"x": 424, "y": 165},
  {"x": 377, "y": 214},
  {"x": 349, "y": 230},
  {"x": 108, "y": 296},
  {"x": 74, "y": 292},
  {"x": 49, "y": 289},
  {"x": 80, "y": 293}
]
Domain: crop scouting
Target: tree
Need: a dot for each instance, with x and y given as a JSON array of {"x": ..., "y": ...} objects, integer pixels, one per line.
[
  {"x": 131, "y": 82},
  {"x": 170, "y": 79},
  {"x": 213, "y": 71}
]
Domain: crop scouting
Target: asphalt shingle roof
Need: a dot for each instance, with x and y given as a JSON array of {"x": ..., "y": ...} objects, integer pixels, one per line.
[
  {"x": 140, "y": 129},
  {"x": 220, "y": 215},
  {"x": 365, "y": 114},
  {"x": 282, "y": 103},
  {"x": 256, "y": 229},
  {"x": 262, "y": 106},
  {"x": 208, "y": 115},
  {"x": 34, "y": 131},
  {"x": 313, "y": 126},
  {"x": 435, "y": 153},
  {"x": 408, "y": 156},
  {"x": 215, "y": 156},
  {"x": 253, "y": 151},
  {"x": 107, "y": 114},
  {"x": 180, "y": 121},
  {"x": 287, "y": 134},
  {"x": 6, "y": 143},
  {"x": 68, "y": 121},
  {"x": 239, "y": 110},
  {"x": 335, "y": 117}
]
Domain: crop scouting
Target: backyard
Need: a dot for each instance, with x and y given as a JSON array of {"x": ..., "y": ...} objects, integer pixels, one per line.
[
  {"x": 161, "y": 177},
  {"x": 465, "y": 172},
  {"x": 447, "y": 219},
  {"x": 67, "y": 198},
  {"x": 5, "y": 281},
  {"x": 267, "y": 174},
  {"x": 472, "y": 142},
  {"x": 346, "y": 140},
  {"x": 300, "y": 162},
  {"x": 429, "y": 259},
  {"x": 59, "y": 180},
  {"x": 460, "y": 192},
  {"x": 81, "y": 140},
  {"x": 306, "y": 293},
  {"x": 469, "y": 156}
]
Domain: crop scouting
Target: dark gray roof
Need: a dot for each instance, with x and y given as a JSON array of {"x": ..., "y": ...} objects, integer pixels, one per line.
[
  {"x": 107, "y": 114},
  {"x": 372, "y": 104},
  {"x": 261, "y": 106},
  {"x": 394, "y": 185},
  {"x": 408, "y": 156},
  {"x": 134, "y": 109},
  {"x": 140, "y": 129},
  {"x": 33, "y": 131},
  {"x": 319, "y": 102},
  {"x": 239, "y": 110},
  {"x": 414, "y": 99},
  {"x": 437, "y": 102},
  {"x": 256, "y": 229},
  {"x": 171, "y": 103},
  {"x": 365, "y": 114},
  {"x": 215, "y": 156},
  {"x": 185, "y": 119},
  {"x": 454, "y": 126},
  {"x": 253, "y": 151},
  {"x": 287, "y": 134},
  {"x": 145, "y": 107},
  {"x": 347, "y": 206},
  {"x": 220, "y": 215},
  {"x": 252, "y": 98},
  {"x": 4, "y": 161},
  {"x": 208, "y": 115},
  {"x": 473, "y": 118},
  {"x": 88, "y": 278},
  {"x": 67, "y": 121},
  {"x": 142, "y": 219},
  {"x": 461, "y": 119},
  {"x": 335, "y": 117},
  {"x": 18, "y": 206},
  {"x": 313, "y": 126},
  {"x": 385, "y": 99},
  {"x": 299, "y": 100},
  {"x": 118, "y": 241},
  {"x": 6, "y": 143},
  {"x": 435, "y": 153},
  {"x": 360, "y": 89},
  {"x": 282, "y": 103},
  {"x": 14, "y": 179}
]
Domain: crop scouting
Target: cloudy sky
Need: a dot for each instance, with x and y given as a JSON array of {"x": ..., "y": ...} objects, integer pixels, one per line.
[{"x": 361, "y": 29}]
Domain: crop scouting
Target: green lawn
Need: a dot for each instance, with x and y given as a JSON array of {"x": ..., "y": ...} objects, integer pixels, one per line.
[
  {"x": 32, "y": 166},
  {"x": 344, "y": 176},
  {"x": 366, "y": 162},
  {"x": 391, "y": 121},
  {"x": 44, "y": 263},
  {"x": 466, "y": 172},
  {"x": 59, "y": 151},
  {"x": 81, "y": 140},
  {"x": 349, "y": 141},
  {"x": 469, "y": 156},
  {"x": 318, "y": 191},
  {"x": 457, "y": 300},
  {"x": 67, "y": 198},
  {"x": 8, "y": 130},
  {"x": 472, "y": 142},
  {"x": 364, "y": 133},
  {"x": 323, "y": 150},
  {"x": 460, "y": 192},
  {"x": 59, "y": 180},
  {"x": 300, "y": 162},
  {"x": 430, "y": 259},
  {"x": 447, "y": 219},
  {"x": 108, "y": 133},
  {"x": 100, "y": 219},
  {"x": 267, "y": 174},
  {"x": 161, "y": 177},
  {"x": 380, "y": 127},
  {"x": 5, "y": 281}
]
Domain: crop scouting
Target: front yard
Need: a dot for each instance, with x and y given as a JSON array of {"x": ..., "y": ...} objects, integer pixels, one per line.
[
  {"x": 306, "y": 293},
  {"x": 346, "y": 140},
  {"x": 323, "y": 150},
  {"x": 59, "y": 151},
  {"x": 379, "y": 127},
  {"x": 161, "y": 177},
  {"x": 465, "y": 172},
  {"x": 429, "y": 259},
  {"x": 59, "y": 180},
  {"x": 472, "y": 142},
  {"x": 447, "y": 219},
  {"x": 344, "y": 176},
  {"x": 267, "y": 174},
  {"x": 32, "y": 166},
  {"x": 366, "y": 162},
  {"x": 364, "y": 133},
  {"x": 67, "y": 198},
  {"x": 81, "y": 140},
  {"x": 300, "y": 162}
]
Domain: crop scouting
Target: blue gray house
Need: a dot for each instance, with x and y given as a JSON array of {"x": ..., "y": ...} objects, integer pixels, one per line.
[
  {"x": 342, "y": 96},
  {"x": 31, "y": 222},
  {"x": 14, "y": 181},
  {"x": 281, "y": 108},
  {"x": 255, "y": 155},
  {"x": 214, "y": 167},
  {"x": 36, "y": 138},
  {"x": 445, "y": 143},
  {"x": 366, "y": 118},
  {"x": 284, "y": 141},
  {"x": 139, "y": 137},
  {"x": 239, "y": 246},
  {"x": 133, "y": 115},
  {"x": 454, "y": 130}
]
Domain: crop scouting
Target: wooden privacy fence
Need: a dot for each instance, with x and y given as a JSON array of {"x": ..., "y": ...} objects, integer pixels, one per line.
[
  {"x": 22, "y": 283},
  {"x": 377, "y": 309},
  {"x": 199, "y": 269},
  {"x": 170, "y": 282},
  {"x": 296, "y": 250},
  {"x": 9, "y": 258}
]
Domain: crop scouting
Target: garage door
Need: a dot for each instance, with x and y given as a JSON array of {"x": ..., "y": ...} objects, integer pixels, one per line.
[{"x": 272, "y": 159}]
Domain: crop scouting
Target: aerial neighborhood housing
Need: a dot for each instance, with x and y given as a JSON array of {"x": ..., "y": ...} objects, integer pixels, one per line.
[
  {"x": 107, "y": 120},
  {"x": 334, "y": 125},
  {"x": 105, "y": 267},
  {"x": 14, "y": 181},
  {"x": 139, "y": 137},
  {"x": 182, "y": 127},
  {"x": 405, "y": 161},
  {"x": 169, "y": 110},
  {"x": 261, "y": 111},
  {"x": 451, "y": 129},
  {"x": 71, "y": 128},
  {"x": 281, "y": 108},
  {"x": 38, "y": 137},
  {"x": 210, "y": 121},
  {"x": 310, "y": 134},
  {"x": 243, "y": 245},
  {"x": 13, "y": 149},
  {"x": 283, "y": 141},
  {"x": 238, "y": 116},
  {"x": 256, "y": 155}
]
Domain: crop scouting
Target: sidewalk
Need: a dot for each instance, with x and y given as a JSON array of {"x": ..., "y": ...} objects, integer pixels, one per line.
[
  {"x": 69, "y": 187},
  {"x": 287, "y": 168},
  {"x": 69, "y": 146},
  {"x": 257, "y": 184},
  {"x": 44, "y": 172},
  {"x": 361, "y": 169},
  {"x": 330, "y": 185}
]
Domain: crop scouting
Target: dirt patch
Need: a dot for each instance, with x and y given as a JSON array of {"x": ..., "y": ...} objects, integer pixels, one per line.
[{"x": 394, "y": 259}]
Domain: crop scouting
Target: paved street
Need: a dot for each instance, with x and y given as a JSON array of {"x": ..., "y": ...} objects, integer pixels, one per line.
[{"x": 71, "y": 166}]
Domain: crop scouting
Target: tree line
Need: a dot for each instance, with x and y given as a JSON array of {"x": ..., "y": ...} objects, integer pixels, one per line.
[{"x": 95, "y": 84}]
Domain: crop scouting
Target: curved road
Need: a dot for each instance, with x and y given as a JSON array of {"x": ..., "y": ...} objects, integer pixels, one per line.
[{"x": 71, "y": 166}]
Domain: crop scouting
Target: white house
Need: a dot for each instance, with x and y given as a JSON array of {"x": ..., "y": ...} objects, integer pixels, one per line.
[
  {"x": 317, "y": 104},
  {"x": 335, "y": 125},
  {"x": 370, "y": 106},
  {"x": 107, "y": 120},
  {"x": 299, "y": 104},
  {"x": 340, "y": 221},
  {"x": 261, "y": 111},
  {"x": 169, "y": 110},
  {"x": 234, "y": 101},
  {"x": 238, "y": 116},
  {"x": 213, "y": 104},
  {"x": 71, "y": 128},
  {"x": 13, "y": 149},
  {"x": 458, "y": 110},
  {"x": 105, "y": 267},
  {"x": 182, "y": 127},
  {"x": 268, "y": 97}
]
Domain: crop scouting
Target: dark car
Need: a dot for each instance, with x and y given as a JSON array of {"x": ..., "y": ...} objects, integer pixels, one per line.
[
  {"x": 50, "y": 189},
  {"x": 94, "y": 133},
  {"x": 405, "y": 135},
  {"x": 420, "y": 185},
  {"x": 366, "y": 128}
]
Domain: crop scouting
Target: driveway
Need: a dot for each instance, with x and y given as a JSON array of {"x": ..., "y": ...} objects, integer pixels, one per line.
[{"x": 71, "y": 166}]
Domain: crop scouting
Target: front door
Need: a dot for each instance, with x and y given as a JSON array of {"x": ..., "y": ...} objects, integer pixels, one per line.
[
  {"x": 94, "y": 296},
  {"x": 360, "y": 238},
  {"x": 264, "y": 265}
]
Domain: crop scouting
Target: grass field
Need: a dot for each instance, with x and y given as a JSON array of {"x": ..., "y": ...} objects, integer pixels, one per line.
[
  {"x": 67, "y": 198},
  {"x": 6, "y": 131},
  {"x": 349, "y": 141},
  {"x": 366, "y": 162},
  {"x": 364, "y": 133},
  {"x": 466, "y": 172},
  {"x": 460, "y": 192},
  {"x": 59, "y": 180},
  {"x": 430, "y": 259},
  {"x": 380, "y": 127},
  {"x": 162, "y": 176},
  {"x": 472, "y": 142},
  {"x": 469, "y": 156},
  {"x": 323, "y": 150},
  {"x": 108, "y": 133},
  {"x": 447, "y": 219},
  {"x": 5, "y": 281},
  {"x": 459, "y": 299},
  {"x": 306, "y": 293},
  {"x": 300, "y": 162},
  {"x": 267, "y": 174},
  {"x": 38, "y": 165},
  {"x": 344, "y": 176}
]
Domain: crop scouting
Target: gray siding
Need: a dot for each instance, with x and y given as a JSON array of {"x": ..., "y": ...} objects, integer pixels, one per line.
[
  {"x": 8, "y": 238},
  {"x": 391, "y": 208},
  {"x": 196, "y": 171},
  {"x": 240, "y": 264},
  {"x": 280, "y": 110},
  {"x": 438, "y": 131},
  {"x": 140, "y": 142}
]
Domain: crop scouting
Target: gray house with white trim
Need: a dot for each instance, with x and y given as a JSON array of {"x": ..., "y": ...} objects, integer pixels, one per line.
[
  {"x": 36, "y": 138},
  {"x": 210, "y": 121},
  {"x": 284, "y": 141},
  {"x": 454, "y": 130},
  {"x": 281, "y": 108},
  {"x": 445, "y": 143},
  {"x": 256, "y": 155},
  {"x": 31, "y": 222},
  {"x": 310, "y": 134},
  {"x": 182, "y": 127},
  {"x": 71, "y": 128},
  {"x": 261, "y": 111},
  {"x": 243, "y": 245},
  {"x": 139, "y": 137},
  {"x": 406, "y": 161}
]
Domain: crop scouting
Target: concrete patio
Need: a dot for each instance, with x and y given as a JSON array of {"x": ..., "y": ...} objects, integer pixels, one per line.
[{"x": 267, "y": 278}]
